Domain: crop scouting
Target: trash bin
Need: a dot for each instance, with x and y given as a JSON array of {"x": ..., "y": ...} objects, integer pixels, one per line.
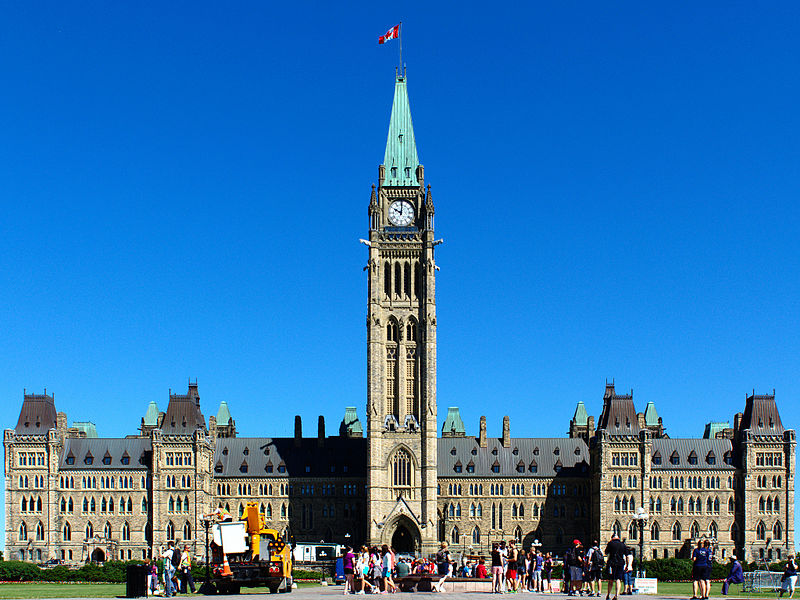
[{"x": 136, "y": 581}]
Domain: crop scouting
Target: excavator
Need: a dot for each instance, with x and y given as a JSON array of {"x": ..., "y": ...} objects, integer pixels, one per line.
[{"x": 246, "y": 553}]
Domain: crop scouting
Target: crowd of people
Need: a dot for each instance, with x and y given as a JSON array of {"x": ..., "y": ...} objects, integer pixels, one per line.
[{"x": 176, "y": 575}]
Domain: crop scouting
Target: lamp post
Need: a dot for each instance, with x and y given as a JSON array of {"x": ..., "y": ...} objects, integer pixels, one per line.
[
  {"x": 641, "y": 517},
  {"x": 207, "y": 588}
]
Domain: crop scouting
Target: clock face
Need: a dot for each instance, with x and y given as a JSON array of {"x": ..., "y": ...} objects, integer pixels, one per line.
[{"x": 401, "y": 213}]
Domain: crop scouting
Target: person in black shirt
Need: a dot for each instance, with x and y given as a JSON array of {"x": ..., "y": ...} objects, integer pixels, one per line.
[{"x": 615, "y": 559}]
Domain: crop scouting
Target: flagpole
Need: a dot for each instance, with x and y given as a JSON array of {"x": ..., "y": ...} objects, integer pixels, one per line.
[{"x": 400, "y": 39}]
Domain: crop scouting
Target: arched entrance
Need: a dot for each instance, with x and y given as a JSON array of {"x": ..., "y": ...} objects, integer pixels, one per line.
[
  {"x": 403, "y": 535},
  {"x": 402, "y": 541},
  {"x": 98, "y": 555}
]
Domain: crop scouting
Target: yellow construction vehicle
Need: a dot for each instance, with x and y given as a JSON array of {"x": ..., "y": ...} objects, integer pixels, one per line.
[{"x": 246, "y": 553}]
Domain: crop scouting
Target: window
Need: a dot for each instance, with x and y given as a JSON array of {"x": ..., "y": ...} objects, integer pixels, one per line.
[
  {"x": 655, "y": 532},
  {"x": 476, "y": 536},
  {"x": 674, "y": 458},
  {"x": 676, "y": 532},
  {"x": 777, "y": 531},
  {"x": 761, "y": 531},
  {"x": 126, "y": 532},
  {"x": 67, "y": 532},
  {"x": 401, "y": 470},
  {"x": 89, "y": 531},
  {"x": 170, "y": 531},
  {"x": 23, "y": 532}
]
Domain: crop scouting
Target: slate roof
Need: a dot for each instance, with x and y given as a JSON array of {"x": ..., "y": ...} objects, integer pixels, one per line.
[
  {"x": 183, "y": 414},
  {"x": 137, "y": 448},
  {"x": 619, "y": 415},
  {"x": 401, "y": 147},
  {"x": 685, "y": 446},
  {"x": 542, "y": 451},
  {"x": 37, "y": 415},
  {"x": 761, "y": 415},
  {"x": 336, "y": 452}
]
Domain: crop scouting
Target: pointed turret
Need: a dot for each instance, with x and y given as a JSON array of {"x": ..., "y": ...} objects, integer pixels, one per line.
[
  {"x": 453, "y": 426},
  {"x": 226, "y": 426},
  {"x": 400, "y": 160}
]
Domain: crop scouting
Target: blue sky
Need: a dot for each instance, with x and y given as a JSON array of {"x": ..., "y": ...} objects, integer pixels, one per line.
[{"x": 183, "y": 186}]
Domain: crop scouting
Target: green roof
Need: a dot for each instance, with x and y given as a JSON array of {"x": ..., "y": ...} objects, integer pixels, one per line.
[
  {"x": 223, "y": 414},
  {"x": 350, "y": 422},
  {"x": 453, "y": 425},
  {"x": 401, "y": 159},
  {"x": 151, "y": 416},
  {"x": 87, "y": 427},
  {"x": 714, "y": 427},
  {"x": 581, "y": 416},
  {"x": 650, "y": 415}
]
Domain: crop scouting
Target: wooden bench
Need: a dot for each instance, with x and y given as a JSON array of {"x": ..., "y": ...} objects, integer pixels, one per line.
[{"x": 426, "y": 582}]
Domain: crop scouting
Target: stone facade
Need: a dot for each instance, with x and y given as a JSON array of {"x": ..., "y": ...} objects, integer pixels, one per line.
[{"x": 75, "y": 496}]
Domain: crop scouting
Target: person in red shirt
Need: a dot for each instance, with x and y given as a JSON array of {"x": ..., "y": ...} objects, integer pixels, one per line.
[{"x": 480, "y": 571}]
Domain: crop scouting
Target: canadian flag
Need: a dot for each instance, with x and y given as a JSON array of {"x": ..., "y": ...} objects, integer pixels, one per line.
[{"x": 392, "y": 34}]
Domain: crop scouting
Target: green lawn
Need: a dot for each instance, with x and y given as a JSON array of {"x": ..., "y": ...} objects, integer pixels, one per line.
[
  {"x": 685, "y": 590},
  {"x": 62, "y": 590}
]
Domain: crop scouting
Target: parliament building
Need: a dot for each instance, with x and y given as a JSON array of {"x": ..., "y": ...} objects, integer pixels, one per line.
[{"x": 396, "y": 474}]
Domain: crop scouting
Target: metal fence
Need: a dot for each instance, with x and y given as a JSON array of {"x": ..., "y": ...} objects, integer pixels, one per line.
[{"x": 761, "y": 581}]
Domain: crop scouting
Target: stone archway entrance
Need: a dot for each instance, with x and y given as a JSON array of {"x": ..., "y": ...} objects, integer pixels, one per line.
[
  {"x": 98, "y": 556},
  {"x": 403, "y": 535},
  {"x": 402, "y": 540}
]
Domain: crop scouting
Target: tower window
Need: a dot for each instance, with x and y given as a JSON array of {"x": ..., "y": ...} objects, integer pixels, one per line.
[{"x": 394, "y": 172}]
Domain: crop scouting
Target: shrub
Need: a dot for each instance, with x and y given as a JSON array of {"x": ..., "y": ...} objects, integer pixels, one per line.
[{"x": 17, "y": 570}]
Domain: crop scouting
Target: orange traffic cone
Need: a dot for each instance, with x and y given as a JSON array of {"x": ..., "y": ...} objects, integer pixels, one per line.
[{"x": 226, "y": 568}]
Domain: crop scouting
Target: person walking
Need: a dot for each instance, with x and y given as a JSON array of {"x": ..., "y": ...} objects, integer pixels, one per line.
[
  {"x": 573, "y": 561},
  {"x": 547, "y": 573},
  {"x": 187, "y": 580},
  {"x": 735, "y": 575},
  {"x": 615, "y": 558},
  {"x": 511, "y": 570},
  {"x": 789, "y": 578},
  {"x": 169, "y": 569},
  {"x": 699, "y": 564},
  {"x": 348, "y": 567},
  {"x": 538, "y": 565},
  {"x": 497, "y": 569},
  {"x": 443, "y": 560},
  {"x": 387, "y": 566},
  {"x": 595, "y": 562},
  {"x": 709, "y": 552}
]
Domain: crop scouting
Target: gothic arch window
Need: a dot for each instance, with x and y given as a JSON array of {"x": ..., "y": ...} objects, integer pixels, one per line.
[
  {"x": 171, "y": 531},
  {"x": 417, "y": 281},
  {"x": 777, "y": 531},
  {"x": 632, "y": 530},
  {"x": 67, "y": 531},
  {"x": 655, "y": 531},
  {"x": 761, "y": 504},
  {"x": 89, "y": 530},
  {"x": 398, "y": 279},
  {"x": 39, "y": 531},
  {"x": 387, "y": 278},
  {"x": 616, "y": 529},
  {"x": 713, "y": 530},
  {"x": 734, "y": 532},
  {"x": 617, "y": 504},
  {"x": 694, "y": 531},
  {"x": 402, "y": 479},
  {"x": 680, "y": 505},
  {"x": 716, "y": 505},
  {"x": 187, "y": 531},
  {"x": 676, "y": 532},
  {"x": 761, "y": 531},
  {"x": 23, "y": 532},
  {"x": 476, "y": 536},
  {"x": 407, "y": 279},
  {"x": 126, "y": 532},
  {"x": 559, "y": 537},
  {"x": 454, "y": 536},
  {"x": 39, "y": 504},
  {"x": 777, "y": 504},
  {"x": 769, "y": 504},
  {"x": 107, "y": 530},
  {"x": 480, "y": 510},
  {"x": 494, "y": 516}
]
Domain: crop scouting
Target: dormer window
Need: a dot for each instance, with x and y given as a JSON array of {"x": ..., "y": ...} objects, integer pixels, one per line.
[
  {"x": 225, "y": 451},
  {"x": 70, "y": 460},
  {"x": 515, "y": 451},
  {"x": 457, "y": 467},
  {"x": 125, "y": 460},
  {"x": 693, "y": 458},
  {"x": 281, "y": 468},
  {"x": 243, "y": 467},
  {"x": 106, "y": 460},
  {"x": 711, "y": 458},
  {"x": 474, "y": 452},
  {"x": 536, "y": 451},
  {"x": 453, "y": 451},
  {"x": 268, "y": 467},
  {"x": 89, "y": 459},
  {"x": 494, "y": 450},
  {"x": 246, "y": 451},
  {"x": 674, "y": 458},
  {"x": 470, "y": 467},
  {"x": 533, "y": 467},
  {"x": 218, "y": 467},
  {"x": 728, "y": 458},
  {"x": 556, "y": 451},
  {"x": 496, "y": 467},
  {"x": 557, "y": 466},
  {"x": 408, "y": 172},
  {"x": 394, "y": 172},
  {"x": 520, "y": 467}
]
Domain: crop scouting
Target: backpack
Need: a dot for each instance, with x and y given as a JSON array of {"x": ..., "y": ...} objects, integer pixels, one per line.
[
  {"x": 176, "y": 557},
  {"x": 598, "y": 560}
]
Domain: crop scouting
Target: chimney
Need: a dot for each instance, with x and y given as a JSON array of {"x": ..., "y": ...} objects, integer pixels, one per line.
[
  {"x": 482, "y": 435},
  {"x": 298, "y": 430},
  {"x": 506, "y": 432},
  {"x": 591, "y": 427},
  {"x": 321, "y": 431}
]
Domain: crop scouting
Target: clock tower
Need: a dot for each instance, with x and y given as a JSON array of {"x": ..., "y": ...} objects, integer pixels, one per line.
[{"x": 401, "y": 345}]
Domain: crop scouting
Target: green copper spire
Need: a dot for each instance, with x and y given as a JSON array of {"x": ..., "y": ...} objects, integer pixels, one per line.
[
  {"x": 401, "y": 159},
  {"x": 581, "y": 417},
  {"x": 650, "y": 415},
  {"x": 453, "y": 426},
  {"x": 151, "y": 416},
  {"x": 223, "y": 414}
]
